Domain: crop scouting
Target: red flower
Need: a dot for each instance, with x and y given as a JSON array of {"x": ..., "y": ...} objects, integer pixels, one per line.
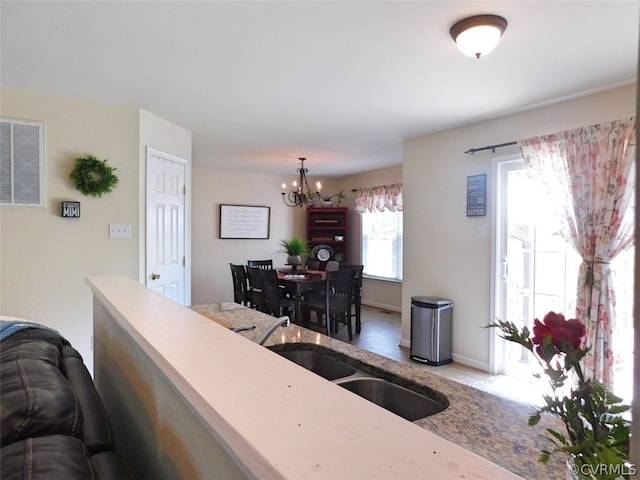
[{"x": 562, "y": 331}]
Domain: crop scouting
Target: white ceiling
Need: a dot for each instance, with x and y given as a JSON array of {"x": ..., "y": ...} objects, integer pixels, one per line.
[{"x": 343, "y": 83}]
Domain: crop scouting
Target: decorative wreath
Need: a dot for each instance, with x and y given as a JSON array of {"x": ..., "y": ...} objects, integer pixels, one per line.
[{"x": 93, "y": 177}]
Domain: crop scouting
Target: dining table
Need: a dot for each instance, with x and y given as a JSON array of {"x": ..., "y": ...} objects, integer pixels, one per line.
[{"x": 296, "y": 282}]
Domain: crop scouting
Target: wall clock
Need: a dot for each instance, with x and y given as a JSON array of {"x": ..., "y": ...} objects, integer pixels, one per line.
[{"x": 323, "y": 252}]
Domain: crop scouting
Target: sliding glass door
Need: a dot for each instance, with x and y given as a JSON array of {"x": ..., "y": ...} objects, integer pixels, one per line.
[{"x": 536, "y": 269}]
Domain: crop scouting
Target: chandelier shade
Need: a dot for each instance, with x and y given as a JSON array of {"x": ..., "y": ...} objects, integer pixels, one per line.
[
  {"x": 301, "y": 193},
  {"x": 479, "y": 35}
]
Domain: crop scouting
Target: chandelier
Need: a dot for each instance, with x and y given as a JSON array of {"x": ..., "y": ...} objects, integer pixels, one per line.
[{"x": 301, "y": 193}]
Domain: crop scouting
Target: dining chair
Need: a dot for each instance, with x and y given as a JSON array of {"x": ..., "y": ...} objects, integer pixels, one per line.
[
  {"x": 240, "y": 287},
  {"x": 313, "y": 264},
  {"x": 332, "y": 265},
  {"x": 334, "y": 306},
  {"x": 255, "y": 287},
  {"x": 357, "y": 292},
  {"x": 265, "y": 264},
  {"x": 274, "y": 302}
]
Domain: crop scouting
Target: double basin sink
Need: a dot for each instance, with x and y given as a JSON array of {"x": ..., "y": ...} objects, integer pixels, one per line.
[{"x": 385, "y": 392}]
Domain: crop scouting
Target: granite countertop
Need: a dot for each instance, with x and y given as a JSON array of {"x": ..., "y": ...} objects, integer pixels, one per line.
[{"x": 489, "y": 426}]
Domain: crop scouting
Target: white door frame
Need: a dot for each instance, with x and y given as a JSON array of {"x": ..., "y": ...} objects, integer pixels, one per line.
[
  {"x": 497, "y": 168},
  {"x": 187, "y": 217}
]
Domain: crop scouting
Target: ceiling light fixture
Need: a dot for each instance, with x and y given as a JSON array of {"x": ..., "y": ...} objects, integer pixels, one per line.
[
  {"x": 301, "y": 193},
  {"x": 479, "y": 35}
]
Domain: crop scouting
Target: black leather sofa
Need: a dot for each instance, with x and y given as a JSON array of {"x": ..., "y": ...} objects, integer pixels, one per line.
[{"x": 53, "y": 424}]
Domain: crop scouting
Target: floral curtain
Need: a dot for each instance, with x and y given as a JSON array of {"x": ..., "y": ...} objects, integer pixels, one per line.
[
  {"x": 381, "y": 198},
  {"x": 590, "y": 175}
]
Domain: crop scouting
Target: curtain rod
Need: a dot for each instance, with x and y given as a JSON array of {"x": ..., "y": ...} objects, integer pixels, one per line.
[{"x": 471, "y": 151}]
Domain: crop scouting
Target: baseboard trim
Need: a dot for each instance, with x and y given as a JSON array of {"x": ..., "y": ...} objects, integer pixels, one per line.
[
  {"x": 469, "y": 362},
  {"x": 382, "y": 306}
]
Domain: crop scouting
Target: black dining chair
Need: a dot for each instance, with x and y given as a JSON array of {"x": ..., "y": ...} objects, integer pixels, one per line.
[
  {"x": 240, "y": 287},
  {"x": 274, "y": 302},
  {"x": 332, "y": 265},
  {"x": 357, "y": 292},
  {"x": 264, "y": 264},
  {"x": 313, "y": 264},
  {"x": 255, "y": 287},
  {"x": 334, "y": 305}
]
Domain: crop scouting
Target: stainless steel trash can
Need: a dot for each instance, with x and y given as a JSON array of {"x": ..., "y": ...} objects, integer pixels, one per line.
[{"x": 431, "y": 330}]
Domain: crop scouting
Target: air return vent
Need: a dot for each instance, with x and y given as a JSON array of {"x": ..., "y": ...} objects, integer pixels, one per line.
[{"x": 21, "y": 163}]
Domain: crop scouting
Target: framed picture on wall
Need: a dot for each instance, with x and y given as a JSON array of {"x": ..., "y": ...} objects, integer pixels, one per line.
[
  {"x": 477, "y": 195},
  {"x": 244, "y": 221}
]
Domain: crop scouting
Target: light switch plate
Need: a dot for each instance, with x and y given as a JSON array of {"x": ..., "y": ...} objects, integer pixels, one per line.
[{"x": 119, "y": 230}]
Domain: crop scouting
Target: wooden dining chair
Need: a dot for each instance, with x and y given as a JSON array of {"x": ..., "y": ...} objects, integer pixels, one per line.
[
  {"x": 264, "y": 264},
  {"x": 334, "y": 306},
  {"x": 274, "y": 302},
  {"x": 255, "y": 287},
  {"x": 332, "y": 265},
  {"x": 240, "y": 287},
  {"x": 313, "y": 264},
  {"x": 357, "y": 292}
]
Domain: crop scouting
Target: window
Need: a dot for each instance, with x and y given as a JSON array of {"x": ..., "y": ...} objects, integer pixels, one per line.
[
  {"x": 382, "y": 244},
  {"x": 21, "y": 163}
]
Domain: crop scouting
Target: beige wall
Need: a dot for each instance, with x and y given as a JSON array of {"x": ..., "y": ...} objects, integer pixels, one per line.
[
  {"x": 442, "y": 257},
  {"x": 45, "y": 258}
]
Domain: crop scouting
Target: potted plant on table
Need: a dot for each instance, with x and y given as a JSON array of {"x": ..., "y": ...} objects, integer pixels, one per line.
[
  {"x": 295, "y": 248},
  {"x": 597, "y": 436}
]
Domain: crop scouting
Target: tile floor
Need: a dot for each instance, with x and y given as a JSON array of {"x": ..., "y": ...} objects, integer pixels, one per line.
[{"x": 381, "y": 334}]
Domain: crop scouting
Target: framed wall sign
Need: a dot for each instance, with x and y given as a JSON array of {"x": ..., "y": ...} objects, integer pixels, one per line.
[
  {"x": 477, "y": 195},
  {"x": 244, "y": 221},
  {"x": 71, "y": 209}
]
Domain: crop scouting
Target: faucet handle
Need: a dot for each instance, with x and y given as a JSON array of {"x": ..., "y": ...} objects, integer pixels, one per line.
[{"x": 244, "y": 328}]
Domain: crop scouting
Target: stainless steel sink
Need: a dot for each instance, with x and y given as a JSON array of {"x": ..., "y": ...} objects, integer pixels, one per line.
[
  {"x": 319, "y": 363},
  {"x": 395, "y": 398}
]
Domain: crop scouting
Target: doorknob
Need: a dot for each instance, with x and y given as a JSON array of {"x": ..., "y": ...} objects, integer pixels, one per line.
[{"x": 155, "y": 276}]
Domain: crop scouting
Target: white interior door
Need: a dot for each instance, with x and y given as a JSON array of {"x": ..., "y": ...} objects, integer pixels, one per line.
[{"x": 165, "y": 239}]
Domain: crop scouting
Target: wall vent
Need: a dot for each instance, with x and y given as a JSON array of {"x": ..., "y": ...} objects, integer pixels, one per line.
[{"x": 21, "y": 163}]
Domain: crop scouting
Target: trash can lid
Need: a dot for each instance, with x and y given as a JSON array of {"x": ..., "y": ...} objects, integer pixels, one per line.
[{"x": 430, "y": 300}]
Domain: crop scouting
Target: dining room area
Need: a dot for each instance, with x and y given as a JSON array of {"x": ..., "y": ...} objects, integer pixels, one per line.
[{"x": 320, "y": 295}]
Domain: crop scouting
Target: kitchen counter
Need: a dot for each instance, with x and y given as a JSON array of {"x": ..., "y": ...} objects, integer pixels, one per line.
[
  {"x": 490, "y": 426},
  {"x": 189, "y": 398}
]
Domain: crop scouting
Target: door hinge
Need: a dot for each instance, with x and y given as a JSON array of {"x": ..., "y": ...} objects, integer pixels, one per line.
[
  {"x": 184, "y": 261},
  {"x": 184, "y": 189}
]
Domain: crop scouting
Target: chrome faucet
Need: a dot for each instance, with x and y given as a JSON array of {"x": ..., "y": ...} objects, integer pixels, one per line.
[{"x": 279, "y": 322}]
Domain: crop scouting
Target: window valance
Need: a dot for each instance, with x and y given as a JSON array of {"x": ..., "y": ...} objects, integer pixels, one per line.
[{"x": 380, "y": 198}]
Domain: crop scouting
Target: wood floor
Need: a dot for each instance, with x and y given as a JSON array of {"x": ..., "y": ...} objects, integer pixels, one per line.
[{"x": 381, "y": 333}]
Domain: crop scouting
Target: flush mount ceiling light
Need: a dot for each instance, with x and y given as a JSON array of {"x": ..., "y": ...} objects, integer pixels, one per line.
[
  {"x": 477, "y": 36},
  {"x": 301, "y": 194}
]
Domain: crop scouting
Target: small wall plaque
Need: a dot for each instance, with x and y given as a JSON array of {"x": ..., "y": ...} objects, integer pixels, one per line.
[
  {"x": 71, "y": 209},
  {"x": 477, "y": 195}
]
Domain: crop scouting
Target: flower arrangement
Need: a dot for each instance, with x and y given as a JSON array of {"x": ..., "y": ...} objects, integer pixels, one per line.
[{"x": 597, "y": 436}]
